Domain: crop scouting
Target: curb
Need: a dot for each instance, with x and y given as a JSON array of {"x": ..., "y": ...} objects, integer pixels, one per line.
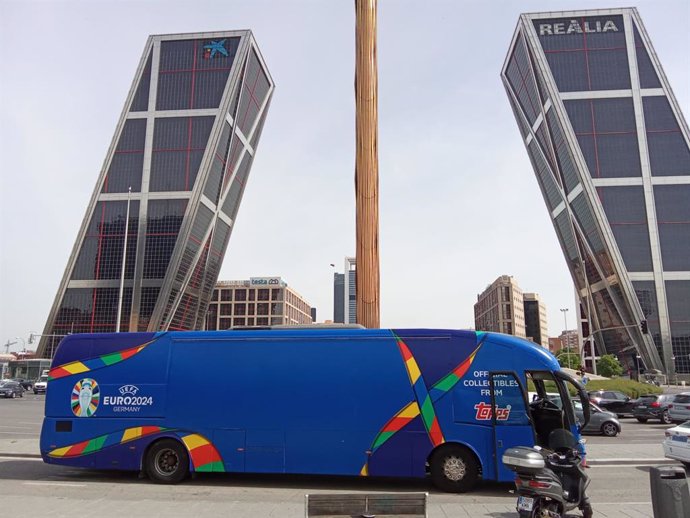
[{"x": 20, "y": 455}]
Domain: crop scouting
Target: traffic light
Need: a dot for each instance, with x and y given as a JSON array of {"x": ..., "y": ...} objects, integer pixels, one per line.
[{"x": 644, "y": 328}]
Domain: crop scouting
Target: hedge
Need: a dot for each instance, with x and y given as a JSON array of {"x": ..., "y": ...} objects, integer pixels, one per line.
[{"x": 632, "y": 388}]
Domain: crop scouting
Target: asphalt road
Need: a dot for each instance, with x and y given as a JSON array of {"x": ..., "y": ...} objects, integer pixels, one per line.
[
  {"x": 21, "y": 418},
  {"x": 28, "y": 487}
]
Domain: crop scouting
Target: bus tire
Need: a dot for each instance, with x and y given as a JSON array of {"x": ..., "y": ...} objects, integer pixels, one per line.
[
  {"x": 454, "y": 468},
  {"x": 167, "y": 462}
]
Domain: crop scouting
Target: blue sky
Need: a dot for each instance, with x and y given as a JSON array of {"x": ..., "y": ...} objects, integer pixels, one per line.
[{"x": 459, "y": 204}]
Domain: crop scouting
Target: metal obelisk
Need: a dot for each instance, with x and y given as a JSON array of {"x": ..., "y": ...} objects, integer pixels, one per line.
[{"x": 366, "y": 166}]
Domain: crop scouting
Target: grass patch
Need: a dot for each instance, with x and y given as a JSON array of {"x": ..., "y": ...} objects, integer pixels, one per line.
[{"x": 632, "y": 388}]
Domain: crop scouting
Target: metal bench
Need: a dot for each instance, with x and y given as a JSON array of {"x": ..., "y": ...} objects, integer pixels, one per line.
[{"x": 359, "y": 505}]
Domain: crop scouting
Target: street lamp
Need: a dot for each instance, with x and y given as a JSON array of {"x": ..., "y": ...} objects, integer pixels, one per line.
[
  {"x": 565, "y": 331},
  {"x": 23, "y": 342},
  {"x": 124, "y": 264},
  {"x": 675, "y": 374}
]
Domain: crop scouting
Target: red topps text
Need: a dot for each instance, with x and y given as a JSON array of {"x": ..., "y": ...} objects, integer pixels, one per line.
[{"x": 484, "y": 412}]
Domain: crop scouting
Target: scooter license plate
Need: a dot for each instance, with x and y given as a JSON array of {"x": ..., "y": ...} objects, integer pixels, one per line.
[{"x": 525, "y": 503}]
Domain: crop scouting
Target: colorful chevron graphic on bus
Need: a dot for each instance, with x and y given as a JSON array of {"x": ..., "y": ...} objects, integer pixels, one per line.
[
  {"x": 78, "y": 367},
  {"x": 112, "y": 439},
  {"x": 205, "y": 456},
  {"x": 421, "y": 394},
  {"x": 411, "y": 410}
]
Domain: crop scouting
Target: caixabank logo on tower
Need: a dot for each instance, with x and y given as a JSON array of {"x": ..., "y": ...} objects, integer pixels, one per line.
[{"x": 88, "y": 396}]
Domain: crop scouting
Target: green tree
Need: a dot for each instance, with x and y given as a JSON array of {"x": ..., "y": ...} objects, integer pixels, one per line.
[
  {"x": 568, "y": 357},
  {"x": 609, "y": 366}
]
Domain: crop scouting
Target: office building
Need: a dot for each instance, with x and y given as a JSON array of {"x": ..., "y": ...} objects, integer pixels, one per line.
[
  {"x": 610, "y": 150},
  {"x": 536, "y": 327},
  {"x": 339, "y": 298},
  {"x": 500, "y": 308},
  {"x": 184, "y": 145},
  {"x": 350, "y": 291},
  {"x": 259, "y": 301}
]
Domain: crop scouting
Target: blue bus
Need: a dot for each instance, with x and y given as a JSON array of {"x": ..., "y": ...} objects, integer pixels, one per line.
[{"x": 362, "y": 402}]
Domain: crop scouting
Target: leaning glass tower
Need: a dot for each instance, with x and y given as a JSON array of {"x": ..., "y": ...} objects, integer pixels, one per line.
[
  {"x": 610, "y": 150},
  {"x": 184, "y": 145}
]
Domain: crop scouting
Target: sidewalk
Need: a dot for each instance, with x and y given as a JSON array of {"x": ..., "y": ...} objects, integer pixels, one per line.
[{"x": 482, "y": 506}]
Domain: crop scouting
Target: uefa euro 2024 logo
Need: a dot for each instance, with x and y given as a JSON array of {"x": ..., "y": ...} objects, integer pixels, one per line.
[{"x": 85, "y": 397}]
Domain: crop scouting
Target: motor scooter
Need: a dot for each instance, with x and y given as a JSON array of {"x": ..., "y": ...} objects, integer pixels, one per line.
[{"x": 550, "y": 482}]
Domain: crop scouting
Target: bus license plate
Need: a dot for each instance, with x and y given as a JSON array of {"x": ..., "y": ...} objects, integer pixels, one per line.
[{"x": 525, "y": 503}]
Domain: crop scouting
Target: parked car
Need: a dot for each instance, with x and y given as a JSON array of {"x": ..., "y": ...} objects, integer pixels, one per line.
[
  {"x": 679, "y": 408},
  {"x": 9, "y": 388},
  {"x": 600, "y": 421},
  {"x": 26, "y": 384},
  {"x": 652, "y": 406},
  {"x": 41, "y": 385},
  {"x": 613, "y": 401},
  {"x": 677, "y": 443}
]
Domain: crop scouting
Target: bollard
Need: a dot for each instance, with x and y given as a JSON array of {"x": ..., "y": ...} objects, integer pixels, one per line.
[{"x": 670, "y": 495}]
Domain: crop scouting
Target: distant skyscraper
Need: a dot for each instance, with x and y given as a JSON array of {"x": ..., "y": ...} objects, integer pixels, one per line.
[
  {"x": 184, "y": 143},
  {"x": 536, "y": 326},
  {"x": 499, "y": 308},
  {"x": 339, "y": 298},
  {"x": 350, "y": 291},
  {"x": 611, "y": 152}
]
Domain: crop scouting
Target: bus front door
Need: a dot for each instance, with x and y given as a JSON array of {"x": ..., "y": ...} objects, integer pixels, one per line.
[{"x": 510, "y": 418}]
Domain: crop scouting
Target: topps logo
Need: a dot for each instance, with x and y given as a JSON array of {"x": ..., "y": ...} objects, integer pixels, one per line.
[
  {"x": 574, "y": 27},
  {"x": 484, "y": 412}
]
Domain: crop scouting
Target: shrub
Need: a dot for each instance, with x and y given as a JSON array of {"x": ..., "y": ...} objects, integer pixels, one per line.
[
  {"x": 609, "y": 366},
  {"x": 632, "y": 388}
]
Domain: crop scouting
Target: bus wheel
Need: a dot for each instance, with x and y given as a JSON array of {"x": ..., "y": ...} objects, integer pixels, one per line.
[
  {"x": 454, "y": 469},
  {"x": 167, "y": 462}
]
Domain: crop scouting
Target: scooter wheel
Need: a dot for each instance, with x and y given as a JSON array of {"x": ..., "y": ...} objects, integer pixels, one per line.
[{"x": 587, "y": 511}]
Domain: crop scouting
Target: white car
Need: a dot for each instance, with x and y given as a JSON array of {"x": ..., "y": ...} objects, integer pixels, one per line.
[
  {"x": 677, "y": 443},
  {"x": 41, "y": 385}
]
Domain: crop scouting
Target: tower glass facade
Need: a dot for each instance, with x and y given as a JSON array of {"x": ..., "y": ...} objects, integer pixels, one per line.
[
  {"x": 350, "y": 291},
  {"x": 184, "y": 144},
  {"x": 610, "y": 149}
]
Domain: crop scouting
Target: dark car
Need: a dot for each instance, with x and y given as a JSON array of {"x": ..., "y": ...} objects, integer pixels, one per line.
[
  {"x": 652, "y": 406},
  {"x": 613, "y": 401},
  {"x": 9, "y": 388},
  {"x": 26, "y": 384}
]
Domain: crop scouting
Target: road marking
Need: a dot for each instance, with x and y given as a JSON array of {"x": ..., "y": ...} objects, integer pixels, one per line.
[
  {"x": 22, "y": 457},
  {"x": 66, "y": 484},
  {"x": 35, "y": 434},
  {"x": 618, "y": 503},
  {"x": 644, "y": 464}
]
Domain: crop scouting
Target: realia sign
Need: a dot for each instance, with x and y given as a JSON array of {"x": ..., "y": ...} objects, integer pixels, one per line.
[{"x": 576, "y": 27}]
